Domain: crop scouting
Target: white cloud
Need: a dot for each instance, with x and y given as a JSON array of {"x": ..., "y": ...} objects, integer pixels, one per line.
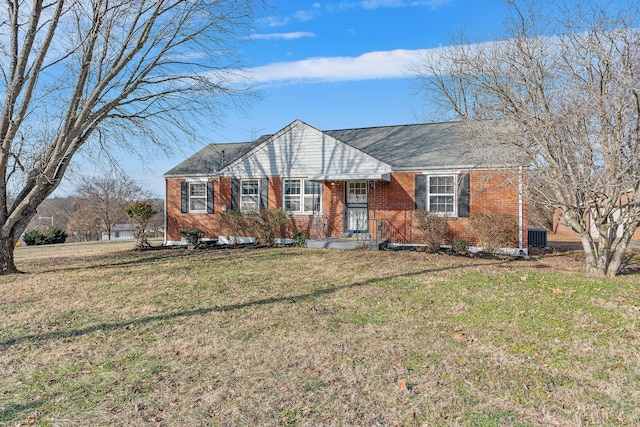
[
  {"x": 275, "y": 21},
  {"x": 318, "y": 9},
  {"x": 375, "y": 4},
  {"x": 282, "y": 36},
  {"x": 430, "y": 3},
  {"x": 304, "y": 15},
  {"x": 392, "y": 64}
]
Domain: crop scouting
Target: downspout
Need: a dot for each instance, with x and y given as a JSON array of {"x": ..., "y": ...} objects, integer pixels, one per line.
[
  {"x": 164, "y": 202},
  {"x": 520, "y": 213},
  {"x": 375, "y": 210}
]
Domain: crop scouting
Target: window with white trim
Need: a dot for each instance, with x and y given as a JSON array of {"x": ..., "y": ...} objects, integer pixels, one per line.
[
  {"x": 249, "y": 194},
  {"x": 441, "y": 194},
  {"x": 302, "y": 195},
  {"x": 198, "y": 197}
]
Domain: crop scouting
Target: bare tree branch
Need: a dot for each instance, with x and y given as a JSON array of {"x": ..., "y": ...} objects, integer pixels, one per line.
[
  {"x": 140, "y": 70},
  {"x": 562, "y": 87}
]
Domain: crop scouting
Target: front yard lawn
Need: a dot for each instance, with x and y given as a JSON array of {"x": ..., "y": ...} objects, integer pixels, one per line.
[{"x": 101, "y": 335}]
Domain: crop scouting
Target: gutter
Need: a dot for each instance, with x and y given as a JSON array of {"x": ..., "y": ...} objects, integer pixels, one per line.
[
  {"x": 192, "y": 175},
  {"x": 520, "y": 212},
  {"x": 470, "y": 166},
  {"x": 164, "y": 202}
]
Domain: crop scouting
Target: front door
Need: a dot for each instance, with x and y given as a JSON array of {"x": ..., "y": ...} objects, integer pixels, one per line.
[{"x": 357, "y": 207}]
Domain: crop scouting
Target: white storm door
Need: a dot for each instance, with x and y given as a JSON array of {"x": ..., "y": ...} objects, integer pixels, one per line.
[{"x": 357, "y": 207}]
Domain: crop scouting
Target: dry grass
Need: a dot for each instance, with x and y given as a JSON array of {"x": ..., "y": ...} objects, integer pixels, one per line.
[{"x": 100, "y": 335}]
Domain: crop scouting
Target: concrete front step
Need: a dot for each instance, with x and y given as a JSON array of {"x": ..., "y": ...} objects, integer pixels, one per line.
[
  {"x": 347, "y": 243},
  {"x": 361, "y": 236}
]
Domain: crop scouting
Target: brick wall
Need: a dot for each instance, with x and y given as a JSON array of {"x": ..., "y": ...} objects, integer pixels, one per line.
[
  {"x": 177, "y": 221},
  {"x": 491, "y": 192},
  {"x": 333, "y": 207}
]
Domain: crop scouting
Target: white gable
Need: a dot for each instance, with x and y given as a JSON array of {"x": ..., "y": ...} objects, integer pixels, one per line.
[{"x": 300, "y": 150}]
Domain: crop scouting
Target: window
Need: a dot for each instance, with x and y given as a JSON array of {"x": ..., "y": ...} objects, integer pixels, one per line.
[
  {"x": 197, "y": 197},
  {"x": 302, "y": 195},
  {"x": 441, "y": 196},
  {"x": 292, "y": 192},
  {"x": 357, "y": 192},
  {"x": 249, "y": 195},
  {"x": 312, "y": 196}
]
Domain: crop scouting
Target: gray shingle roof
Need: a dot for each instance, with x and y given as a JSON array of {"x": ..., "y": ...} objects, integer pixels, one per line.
[
  {"x": 405, "y": 147},
  {"x": 211, "y": 159},
  {"x": 432, "y": 145}
]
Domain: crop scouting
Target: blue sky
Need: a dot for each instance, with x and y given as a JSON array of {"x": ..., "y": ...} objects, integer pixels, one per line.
[
  {"x": 337, "y": 64},
  {"x": 342, "y": 64}
]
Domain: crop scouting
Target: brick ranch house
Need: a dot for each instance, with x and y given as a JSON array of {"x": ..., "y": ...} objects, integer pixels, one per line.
[{"x": 361, "y": 183}]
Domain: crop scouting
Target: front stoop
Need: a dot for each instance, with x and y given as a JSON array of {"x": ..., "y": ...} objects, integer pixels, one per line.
[
  {"x": 347, "y": 243},
  {"x": 353, "y": 235}
]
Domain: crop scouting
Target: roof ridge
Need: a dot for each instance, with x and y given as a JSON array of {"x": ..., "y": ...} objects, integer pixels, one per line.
[{"x": 395, "y": 126}]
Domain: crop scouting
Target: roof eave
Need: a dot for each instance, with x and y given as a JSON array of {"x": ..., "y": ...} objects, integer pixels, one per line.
[
  {"x": 470, "y": 166},
  {"x": 191, "y": 175}
]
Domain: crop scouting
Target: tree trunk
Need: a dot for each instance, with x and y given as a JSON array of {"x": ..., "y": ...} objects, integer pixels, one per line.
[
  {"x": 617, "y": 255},
  {"x": 7, "y": 248},
  {"x": 602, "y": 259},
  {"x": 616, "y": 261},
  {"x": 592, "y": 259}
]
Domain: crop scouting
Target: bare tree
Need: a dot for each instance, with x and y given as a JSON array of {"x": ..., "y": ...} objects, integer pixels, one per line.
[
  {"x": 104, "y": 72},
  {"x": 563, "y": 86},
  {"x": 53, "y": 211},
  {"x": 84, "y": 224},
  {"x": 108, "y": 196}
]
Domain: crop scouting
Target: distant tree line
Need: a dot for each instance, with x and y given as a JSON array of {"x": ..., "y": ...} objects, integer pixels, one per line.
[{"x": 98, "y": 205}]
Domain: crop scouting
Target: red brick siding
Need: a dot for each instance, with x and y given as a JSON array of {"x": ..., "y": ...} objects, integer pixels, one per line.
[
  {"x": 491, "y": 192},
  {"x": 275, "y": 193},
  {"x": 333, "y": 207},
  {"x": 177, "y": 221}
]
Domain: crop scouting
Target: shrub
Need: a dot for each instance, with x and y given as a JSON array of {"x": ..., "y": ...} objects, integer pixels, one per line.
[
  {"x": 267, "y": 224},
  {"x": 300, "y": 238},
  {"x": 192, "y": 236},
  {"x": 460, "y": 245},
  {"x": 494, "y": 230},
  {"x": 56, "y": 235},
  {"x": 141, "y": 213},
  {"x": 234, "y": 222},
  {"x": 34, "y": 237},
  {"x": 434, "y": 229},
  {"x": 37, "y": 237}
]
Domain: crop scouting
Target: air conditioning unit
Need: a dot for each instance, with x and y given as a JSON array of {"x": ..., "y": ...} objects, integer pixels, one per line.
[{"x": 538, "y": 237}]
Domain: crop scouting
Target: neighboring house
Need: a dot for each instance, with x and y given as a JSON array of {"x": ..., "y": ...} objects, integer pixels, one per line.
[
  {"x": 120, "y": 232},
  {"x": 563, "y": 231},
  {"x": 364, "y": 183}
]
